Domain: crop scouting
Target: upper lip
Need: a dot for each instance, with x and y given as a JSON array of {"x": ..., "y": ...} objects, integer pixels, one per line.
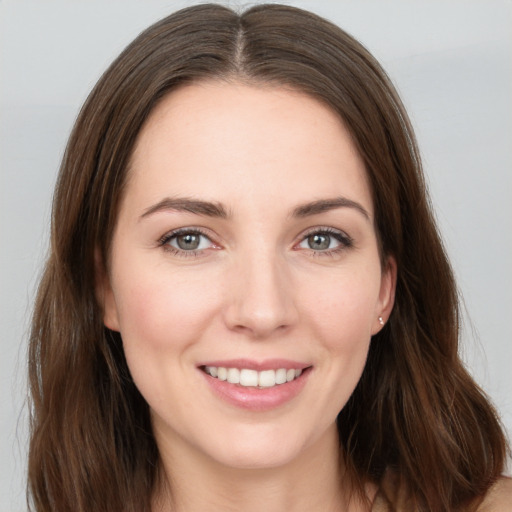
[{"x": 252, "y": 364}]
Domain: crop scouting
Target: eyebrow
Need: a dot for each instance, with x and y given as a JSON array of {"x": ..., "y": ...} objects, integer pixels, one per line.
[
  {"x": 184, "y": 204},
  {"x": 215, "y": 209},
  {"x": 325, "y": 205}
]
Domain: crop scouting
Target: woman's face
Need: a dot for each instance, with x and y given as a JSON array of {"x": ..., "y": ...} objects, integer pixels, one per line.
[{"x": 245, "y": 249}]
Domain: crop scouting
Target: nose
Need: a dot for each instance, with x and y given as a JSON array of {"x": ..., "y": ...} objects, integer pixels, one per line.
[{"x": 261, "y": 300}]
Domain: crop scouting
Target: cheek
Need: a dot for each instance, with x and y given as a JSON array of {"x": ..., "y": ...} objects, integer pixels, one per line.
[
  {"x": 343, "y": 317},
  {"x": 158, "y": 311},
  {"x": 344, "y": 306},
  {"x": 161, "y": 319}
]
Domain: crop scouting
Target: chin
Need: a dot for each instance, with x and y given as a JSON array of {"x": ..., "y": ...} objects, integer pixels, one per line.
[
  {"x": 263, "y": 448},
  {"x": 255, "y": 457}
]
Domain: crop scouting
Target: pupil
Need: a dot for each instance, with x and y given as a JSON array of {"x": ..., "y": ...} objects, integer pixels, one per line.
[
  {"x": 188, "y": 242},
  {"x": 319, "y": 242}
]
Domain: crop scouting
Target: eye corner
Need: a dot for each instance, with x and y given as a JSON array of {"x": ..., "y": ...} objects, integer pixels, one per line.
[
  {"x": 196, "y": 242},
  {"x": 325, "y": 237}
]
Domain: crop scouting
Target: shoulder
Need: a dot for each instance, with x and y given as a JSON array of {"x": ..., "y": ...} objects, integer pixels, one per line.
[{"x": 499, "y": 497}]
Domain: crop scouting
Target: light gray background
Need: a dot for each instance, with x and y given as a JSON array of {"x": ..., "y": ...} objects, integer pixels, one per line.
[{"x": 452, "y": 63}]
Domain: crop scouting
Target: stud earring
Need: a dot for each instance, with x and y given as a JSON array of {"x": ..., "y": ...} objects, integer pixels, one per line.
[{"x": 381, "y": 322}]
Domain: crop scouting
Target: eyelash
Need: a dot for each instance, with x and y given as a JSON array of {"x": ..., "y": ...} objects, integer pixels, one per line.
[
  {"x": 164, "y": 242},
  {"x": 346, "y": 242}
]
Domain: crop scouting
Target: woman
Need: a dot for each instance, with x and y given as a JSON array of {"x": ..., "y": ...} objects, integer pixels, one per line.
[{"x": 247, "y": 303}]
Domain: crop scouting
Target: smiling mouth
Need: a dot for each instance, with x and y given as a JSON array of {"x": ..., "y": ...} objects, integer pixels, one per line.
[{"x": 252, "y": 378}]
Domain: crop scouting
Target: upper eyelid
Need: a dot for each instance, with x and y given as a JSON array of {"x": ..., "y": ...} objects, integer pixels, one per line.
[
  {"x": 206, "y": 233},
  {"x": 167, "y": 237},
  {"x": 343, "y": 238},
  {"x": 324, "y": 229},
  {"x": 165, "y": 242},
  {"x": 191, "y": 229}
]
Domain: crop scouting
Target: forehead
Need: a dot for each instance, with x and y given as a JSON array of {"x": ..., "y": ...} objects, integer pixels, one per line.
[{"x": 225, "y": 140}]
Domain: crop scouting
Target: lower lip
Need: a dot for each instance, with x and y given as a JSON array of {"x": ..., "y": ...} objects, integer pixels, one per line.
[{"x": 257, "y": 399}]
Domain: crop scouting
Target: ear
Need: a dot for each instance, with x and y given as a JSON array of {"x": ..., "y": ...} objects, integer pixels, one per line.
[
  {"x": 386, "y": 295},
  {"x": 104, "y": 292}
]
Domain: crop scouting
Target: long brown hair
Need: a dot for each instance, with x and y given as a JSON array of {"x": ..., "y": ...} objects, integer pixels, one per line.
[{"x": 416, "y": 424}]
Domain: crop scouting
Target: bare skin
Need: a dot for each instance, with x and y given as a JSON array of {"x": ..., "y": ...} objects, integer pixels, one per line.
[
  {"x": 246, "y": 234},
  {"x": 262, "y": 154},
  {"x": 289, "y": 487},
  {"x": 499, "y": 498}
]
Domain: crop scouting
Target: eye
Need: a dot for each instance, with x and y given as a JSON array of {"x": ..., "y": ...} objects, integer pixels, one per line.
[
  {"x": 319, "y": 241},
  {"x": 326, "y": 240},
  {"x": 183, "y": 241},
  {"x": 189, "y": 241}
]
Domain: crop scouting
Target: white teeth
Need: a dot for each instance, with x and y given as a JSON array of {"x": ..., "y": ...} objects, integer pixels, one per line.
[
  {"x": 248, "y": 377},
  {"x": 233, "y": 376},
  {"x": 212, "y": 370},
  {"x": 267, "y": 379},
  {"x": 281, "y": 376},
  {"x": 253, "y": 378}
]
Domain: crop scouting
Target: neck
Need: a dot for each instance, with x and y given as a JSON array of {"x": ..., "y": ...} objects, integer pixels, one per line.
[{"x": 193, "y": 482}]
